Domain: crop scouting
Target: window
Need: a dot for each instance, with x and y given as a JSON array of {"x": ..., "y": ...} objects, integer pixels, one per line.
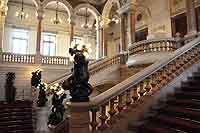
[
  {"x": 49, "y": 44},
  {"x": 19, "y": 41}
]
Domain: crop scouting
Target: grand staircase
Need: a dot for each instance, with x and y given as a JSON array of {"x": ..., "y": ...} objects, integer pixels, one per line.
[
  {"x": 179, "y": 113},
  {"x": 16, "y": 117}
]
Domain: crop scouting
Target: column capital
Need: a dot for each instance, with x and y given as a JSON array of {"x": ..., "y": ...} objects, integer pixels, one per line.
[
  {"x": 130, "y": 6},
  {"x": 40, "y": 14},
  {"x": 72, "y": 19}
]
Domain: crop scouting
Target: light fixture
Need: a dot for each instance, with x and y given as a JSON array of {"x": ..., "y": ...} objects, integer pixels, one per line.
[
  {"x": 21, "y": 14},
  {"x": 86, "y": 25},
  {"x": 56, "y": 20}
]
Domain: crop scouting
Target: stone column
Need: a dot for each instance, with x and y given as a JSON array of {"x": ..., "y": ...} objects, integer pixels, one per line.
[
  {"x": 191, "y": 17},
  {"x": 129, "y": 8},
  {"x": 104, "y": 42},
  {"x": 98, "y": 40},
  {"x": 123, "y": 46},
  {"x": 79, "y": 119},
  {"x": 2, "y": 25},
  {"x": 101, "y": 43},
  {"x": 131, "y": 26},
  {"x": 40, "y": 17},
  {"x": 72, "y": 24}
]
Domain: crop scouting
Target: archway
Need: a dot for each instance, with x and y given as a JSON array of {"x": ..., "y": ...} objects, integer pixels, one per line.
[
  {"x": 56, "y": 27},
  {"x": 87, "y": 20},
  {"x": 111, "y": 24},
  {"x": 66, "y": 4}
]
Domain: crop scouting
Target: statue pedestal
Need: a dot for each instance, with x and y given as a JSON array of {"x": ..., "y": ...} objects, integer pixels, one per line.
[{"x": 79, "y": 119}]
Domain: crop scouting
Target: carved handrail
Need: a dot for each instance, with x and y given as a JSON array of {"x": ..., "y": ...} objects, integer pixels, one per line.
[
  {"x": 18, "y": 58},
  {"x": 55, "y": 60},
  {"x": 153, "y": 45},
  {"x": 148, "y": 81}
]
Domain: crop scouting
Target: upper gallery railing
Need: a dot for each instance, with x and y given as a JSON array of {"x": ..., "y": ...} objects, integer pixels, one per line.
[
  {"x": 31, "y": 59},
  {"x": 160, "y": 45},
  {"x": 154, "y": 45},
  {"x": 18, "y": 58},
  {"x": 128, "y": 93},
  {"x": 55, "y": 60}
]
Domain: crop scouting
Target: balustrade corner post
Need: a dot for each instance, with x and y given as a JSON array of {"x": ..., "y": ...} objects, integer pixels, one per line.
[
  {"x": 123, "y": 58},
  {"x": 79, "y": 118},
  {"x": 38, "y": 59}
]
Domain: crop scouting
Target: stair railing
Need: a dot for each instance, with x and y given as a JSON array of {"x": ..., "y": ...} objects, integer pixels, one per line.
[
  {"x": 95, "y": 67},
  {"x": 125, "y": 95}
]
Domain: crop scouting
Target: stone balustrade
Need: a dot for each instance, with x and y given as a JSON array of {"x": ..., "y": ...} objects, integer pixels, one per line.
[
  {"x": 96, "y": 67},
  {"x": 55, "y": 60},
  {"x": 18, "y": 58},
  {"x": 154, "y": 45},
  {"x": 101, "y": 112},
  {"x": 31, "y": 59}
]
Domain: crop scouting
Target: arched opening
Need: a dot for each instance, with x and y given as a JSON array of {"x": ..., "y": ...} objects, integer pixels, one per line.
[
  {"x": 20, "y": 27},
  {"x": 111, "y": 24},
  {"x": 55, "y": 29},
  {"x": 86, "y": 28}
]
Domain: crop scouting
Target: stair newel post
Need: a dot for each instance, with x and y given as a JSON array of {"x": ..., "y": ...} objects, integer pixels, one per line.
[
  {"x": 103, "y": 117},
  {"x": 128, "y": 100},
  {"x": 94, "y": 122},
  {"x": 112, "y": 112},
  {"x": 79, "y": 120}
]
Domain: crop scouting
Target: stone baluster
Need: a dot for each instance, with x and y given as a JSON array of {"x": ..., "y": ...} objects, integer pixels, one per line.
[
  {"x": 94, "y": 122},
  {"x": 103, "y": 117},
  {"x": 128, "y": 100},
  {"x": 135, "y": 95},
  {"x": 148, "y": 84},
  {"x": 112, "y": 112},
  {"x": 141, "y": 90},
  {"x": 120, "y": 105}
]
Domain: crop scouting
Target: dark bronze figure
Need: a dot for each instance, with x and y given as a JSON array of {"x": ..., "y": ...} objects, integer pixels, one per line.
[{"x": 78, "y": 83}]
